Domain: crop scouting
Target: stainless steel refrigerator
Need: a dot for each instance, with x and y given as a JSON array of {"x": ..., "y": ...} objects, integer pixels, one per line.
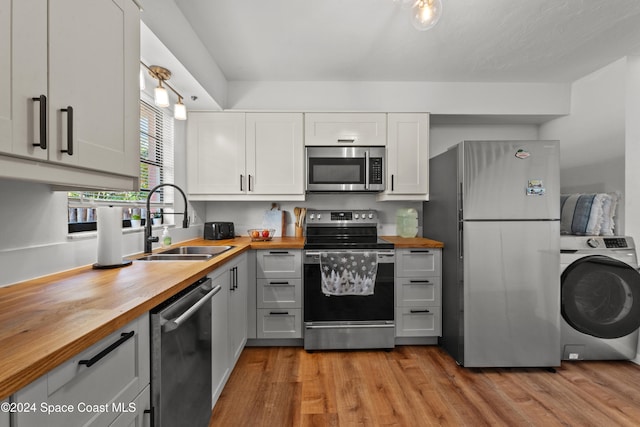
[{"x": 496, "y": 207}]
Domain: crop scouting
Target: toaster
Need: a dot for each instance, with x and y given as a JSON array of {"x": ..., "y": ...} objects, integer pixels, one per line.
[{"x": 219, "y": 230}]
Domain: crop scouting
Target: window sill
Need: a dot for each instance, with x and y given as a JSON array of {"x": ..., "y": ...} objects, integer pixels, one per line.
[{"x": 81, "y": 235}]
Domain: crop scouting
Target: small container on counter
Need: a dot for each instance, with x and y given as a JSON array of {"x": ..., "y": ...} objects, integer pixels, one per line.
[{"x": 407, "y": 222}]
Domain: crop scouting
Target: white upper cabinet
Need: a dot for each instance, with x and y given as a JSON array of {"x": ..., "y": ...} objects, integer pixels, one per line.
[
  {"x": 245, "y": 156},
  {"x": 69, "y": 92},
  {"x": 345, "y": 129},
  {"x": 407, "y": 157}
]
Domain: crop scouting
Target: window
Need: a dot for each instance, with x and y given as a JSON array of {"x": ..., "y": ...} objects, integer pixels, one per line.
[{"x": 156, "y": 167}]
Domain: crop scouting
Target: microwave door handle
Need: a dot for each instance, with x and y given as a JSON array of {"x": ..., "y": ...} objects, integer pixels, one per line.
[{"x": 366, "y": 170}]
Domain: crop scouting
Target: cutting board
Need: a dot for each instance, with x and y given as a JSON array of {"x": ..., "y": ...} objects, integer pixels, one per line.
[{"x": 274, "y": 218}]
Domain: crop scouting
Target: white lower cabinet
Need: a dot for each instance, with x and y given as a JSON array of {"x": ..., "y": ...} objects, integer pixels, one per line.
[
  {"x": 4, "y": 414},
  {"x": 107, "y": 382},
  {"x": 279, "y": 294},
  {"x": 229, "y": 321},
  {"x": 418, "y": 292}
]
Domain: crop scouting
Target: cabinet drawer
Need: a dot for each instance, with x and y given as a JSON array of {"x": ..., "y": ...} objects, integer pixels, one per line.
[
  {"x": 279, "y": 293},
  {"x": 418, "y": 262},
  {"x": 279, "y": 264},
  {"x": 418, "y": 322},
  {"x": 419, "y": 291},
  {"x": 279, "y": 323},
  {"x": 345, "y": 129},
  {"x": 115, "y": 379}
]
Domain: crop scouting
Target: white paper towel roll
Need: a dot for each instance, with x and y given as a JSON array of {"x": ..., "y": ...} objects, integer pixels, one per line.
[{"x": 109, "y": 236}]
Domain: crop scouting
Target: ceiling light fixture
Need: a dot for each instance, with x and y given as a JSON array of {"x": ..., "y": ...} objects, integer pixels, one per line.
[
  {"x": 425, "y": 14},
  {"x": 161, "y": 96}
]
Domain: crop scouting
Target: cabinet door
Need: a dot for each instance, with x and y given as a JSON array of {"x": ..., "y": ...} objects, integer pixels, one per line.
[
  {"x": 419, "y": 292},
  {"x": 418, "y": 321},
  {"x": 275, "y": 153},
  {"x": 238, "y": 308},
  {"x": 345, "y": 129},
  {"x": 23, "y": 76},
  {"x": 135, "y": 415},
  {"x": 279, "y": 323},
  {"x": 220, "y": 367},
  {"x": 216, "y": 153},
  {"x": 94, "y": 48},
  {"x": 408, "y": 155}
]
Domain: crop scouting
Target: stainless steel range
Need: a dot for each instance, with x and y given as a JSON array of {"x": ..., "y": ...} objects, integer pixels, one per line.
[{"x": 348, "y": 282}]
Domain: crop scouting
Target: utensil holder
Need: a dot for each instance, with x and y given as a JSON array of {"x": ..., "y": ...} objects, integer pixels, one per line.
[{"x": 299, "y": 231}]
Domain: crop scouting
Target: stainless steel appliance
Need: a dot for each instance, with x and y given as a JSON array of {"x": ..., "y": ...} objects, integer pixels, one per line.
[
  {"x": 337, "y": 169},
  {"x": 350, "y": 316},
  {"x": 181, "y": 357},
  {"x": 600, "y": 288},
  {"x": 219, "y": 230},
  {"x": 496, "y": 207}
]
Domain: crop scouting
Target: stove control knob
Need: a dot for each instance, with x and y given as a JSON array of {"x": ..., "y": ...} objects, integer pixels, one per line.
[
  {"x": 593, "y": 243},
  {"x": 319, "y": 216},
  {"x": 370, "y": 215},
  {"x": 356, "y": 216},
  {"x": 312, "y": 217}
]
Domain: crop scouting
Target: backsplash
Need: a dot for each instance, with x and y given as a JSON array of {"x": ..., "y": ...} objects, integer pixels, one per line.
[{"x": 247, "y": 215}]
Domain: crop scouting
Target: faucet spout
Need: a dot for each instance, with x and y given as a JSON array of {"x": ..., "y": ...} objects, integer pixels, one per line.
[{"x": 148, "y": 237}]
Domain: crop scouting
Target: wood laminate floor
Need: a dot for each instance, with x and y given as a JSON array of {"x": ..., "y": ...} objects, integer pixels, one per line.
[{"x": 420, "y": 386}]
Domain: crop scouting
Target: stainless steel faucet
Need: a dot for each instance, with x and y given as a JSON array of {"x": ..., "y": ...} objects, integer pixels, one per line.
[{"x": 148, "y": 236}]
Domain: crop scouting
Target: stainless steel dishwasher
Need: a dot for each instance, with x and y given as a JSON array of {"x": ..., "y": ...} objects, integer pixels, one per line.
[{"x": 181, "y": 357}]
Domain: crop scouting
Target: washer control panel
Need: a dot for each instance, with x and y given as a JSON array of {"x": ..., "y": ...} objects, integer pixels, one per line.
[{"x": 615, "y": 242}]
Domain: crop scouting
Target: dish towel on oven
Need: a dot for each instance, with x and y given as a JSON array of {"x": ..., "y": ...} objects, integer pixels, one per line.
[{"x": 348, "y": 272}]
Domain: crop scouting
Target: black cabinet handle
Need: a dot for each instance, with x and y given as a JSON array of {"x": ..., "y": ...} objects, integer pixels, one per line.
[
  {"x": 235, "y": 277},
  {"x": 278, "y": 252},
  {"x": 42, "y": 99},
  {"x": 391, "y": 182},
  {"x": 278, "y": 312},
  {"x": 419, "y": 281},
  {"x": 420, "y": 311},
  {"x": 241, "y": 179},
  {"x": 278, "y": 283},
  {"x": 419, "y": 251},
  {"x": 250, "y": 182},
  {"x": 152, "y": 418},
  {"x": 123, "y": 337},
  {"x": 69, "y": 111}
]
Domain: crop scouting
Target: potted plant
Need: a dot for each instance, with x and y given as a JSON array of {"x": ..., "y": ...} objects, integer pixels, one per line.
[
  {"x": 157, "y": 218},
  {"x": 136, "y": 221}
]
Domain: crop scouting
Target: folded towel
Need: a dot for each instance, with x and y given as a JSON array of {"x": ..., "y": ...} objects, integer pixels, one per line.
[
  {"x": 588, "y": 214},
  {"x": 348, "y": 272}
]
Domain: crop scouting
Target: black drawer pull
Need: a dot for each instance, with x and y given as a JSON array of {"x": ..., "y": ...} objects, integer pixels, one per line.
[
  {"x": 42, "y": 99},
  {"x": 419, "y": 281},
  {"x": 279, "y": 252},
  {"x": 278, "y": 312},
  {"x": 419, "y": 251},
  {"x": 278, "y": 283},
  {"x": 123, "y": 337},
  {"x": 420, "y": 311}
]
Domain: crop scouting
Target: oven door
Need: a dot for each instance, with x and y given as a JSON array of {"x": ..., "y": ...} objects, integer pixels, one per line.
[
  {"x": 337, "y": 169},
  {"x": 349, "y": 321}
]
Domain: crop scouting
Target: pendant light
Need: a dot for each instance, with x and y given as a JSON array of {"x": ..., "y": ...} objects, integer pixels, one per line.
[
  {"x": 426, "y": 13},
  {"x": 179, "y": 110}
]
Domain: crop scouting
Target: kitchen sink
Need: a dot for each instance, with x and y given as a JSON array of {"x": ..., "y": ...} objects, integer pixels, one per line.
[
  {"x": 187, "y": 253},
  {"x": 197, "y": 250}
]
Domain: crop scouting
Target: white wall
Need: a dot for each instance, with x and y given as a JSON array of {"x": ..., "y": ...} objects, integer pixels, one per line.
[{"x": 592, "y": 137}]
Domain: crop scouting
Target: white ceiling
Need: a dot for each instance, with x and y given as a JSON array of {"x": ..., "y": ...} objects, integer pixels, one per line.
[{"x": 373, "y": 40}]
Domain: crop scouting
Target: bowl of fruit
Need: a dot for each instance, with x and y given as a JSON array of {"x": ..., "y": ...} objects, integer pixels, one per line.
[{"x": 261, "y": 234}]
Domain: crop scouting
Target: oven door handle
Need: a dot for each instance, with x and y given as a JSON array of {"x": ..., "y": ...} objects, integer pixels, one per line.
[
  {"x": 358, "y": 326},
  {"x": 172, "y": 324}
]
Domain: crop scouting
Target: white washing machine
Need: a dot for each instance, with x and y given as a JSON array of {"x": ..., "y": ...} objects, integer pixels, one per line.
[{"x": 600, "y": 298}]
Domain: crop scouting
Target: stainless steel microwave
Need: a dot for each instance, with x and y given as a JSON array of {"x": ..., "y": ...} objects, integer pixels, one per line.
[{"x": 337, "y": 169}]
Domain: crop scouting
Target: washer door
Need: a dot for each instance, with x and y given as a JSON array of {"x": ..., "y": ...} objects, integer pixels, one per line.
[{"x": 601, "y": 297}]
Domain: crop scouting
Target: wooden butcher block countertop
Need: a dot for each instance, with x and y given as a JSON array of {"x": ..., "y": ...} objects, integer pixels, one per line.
[{"x": 48, "y": 320}]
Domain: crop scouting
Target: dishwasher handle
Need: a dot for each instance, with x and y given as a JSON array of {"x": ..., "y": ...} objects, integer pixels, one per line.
[{"x": 173, "y": 324}]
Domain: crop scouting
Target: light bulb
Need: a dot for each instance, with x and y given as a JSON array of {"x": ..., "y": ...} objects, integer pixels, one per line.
[
  {"x": 426, "y": 13},
  {"x": 161, "y": 97},
  {"x": 179, "y": 110}
]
